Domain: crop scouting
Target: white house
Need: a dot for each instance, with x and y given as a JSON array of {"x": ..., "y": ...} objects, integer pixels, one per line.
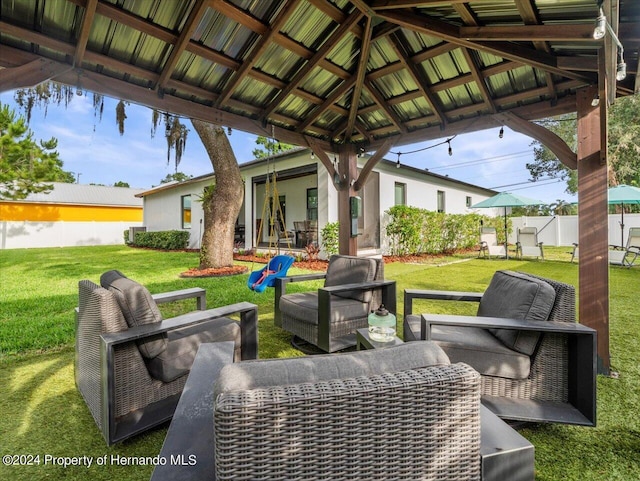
[{"x": 305, "y": 192}]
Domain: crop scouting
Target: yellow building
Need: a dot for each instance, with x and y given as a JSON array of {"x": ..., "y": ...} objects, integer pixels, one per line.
[{"x": 71, "y": 214}]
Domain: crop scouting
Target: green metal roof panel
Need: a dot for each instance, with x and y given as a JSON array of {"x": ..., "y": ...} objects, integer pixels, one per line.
[
  {"x": 223, "y": 34},
  {"x": 320, "y": 82}
]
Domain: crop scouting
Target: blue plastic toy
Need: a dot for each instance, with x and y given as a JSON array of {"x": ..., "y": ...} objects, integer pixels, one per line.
[{"x": 266, "y": 277}]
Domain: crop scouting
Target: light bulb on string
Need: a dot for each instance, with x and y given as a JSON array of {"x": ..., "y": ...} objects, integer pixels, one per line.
[
  {"x": 600, "y": 29},
  {"x": 501, "y": 134}
]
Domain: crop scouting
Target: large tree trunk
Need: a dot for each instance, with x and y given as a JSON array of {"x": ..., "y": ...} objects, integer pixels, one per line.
[{"x": 222, "y": 204}]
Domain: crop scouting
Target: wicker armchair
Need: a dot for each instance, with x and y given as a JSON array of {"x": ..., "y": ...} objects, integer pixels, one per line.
[
  {"x": 531, "y": 370},
  {"x": 328, "y": 318},
  {"x": 400, "y": 413},
  {"x": 131, "y": 377}
]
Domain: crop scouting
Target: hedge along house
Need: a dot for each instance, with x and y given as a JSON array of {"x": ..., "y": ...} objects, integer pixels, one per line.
[
  {"x": 70, "y": 215},
  {"x": 305, "y": 192}
]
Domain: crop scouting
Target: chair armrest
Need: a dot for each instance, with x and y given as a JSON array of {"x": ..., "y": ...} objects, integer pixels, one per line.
[
  {"x": 429, "y": 320},
  {"x": 197, "y": 292},
  {"x": 361, "y": 286},
  {"x": 248, "y": 327},
  {"x": 301, "y": 278},
  {"x": 411, "y": 294}
]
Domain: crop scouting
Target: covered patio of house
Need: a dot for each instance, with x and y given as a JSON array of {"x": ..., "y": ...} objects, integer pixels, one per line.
[{"x": 347, "y": 76}]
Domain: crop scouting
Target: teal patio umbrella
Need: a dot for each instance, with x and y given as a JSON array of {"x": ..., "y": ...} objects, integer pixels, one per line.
[
  {"x": 623, "y": 194},
  {"x": 506, "y": 199}
]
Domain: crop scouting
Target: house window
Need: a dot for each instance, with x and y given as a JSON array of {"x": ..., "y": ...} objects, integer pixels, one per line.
[
  {"x": 312, "y": 204},
  {"x": 400, "y": 194},
  {"x": 469, "y": 203},
  {"x": 186, "y": 211},
  {"x": 441, "y": 201}
]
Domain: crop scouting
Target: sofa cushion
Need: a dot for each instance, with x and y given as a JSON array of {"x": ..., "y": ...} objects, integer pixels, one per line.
[
  {"x": 515, "y": 295},
  {"x": 304, "y": 307},
  {"x": 176, "y": 360},
  {"x": 477, "y": 347},
  {"x": 249, "y": 375},
  {"x": 138, "y": 308},
  {"x": 349, "y": 270}
]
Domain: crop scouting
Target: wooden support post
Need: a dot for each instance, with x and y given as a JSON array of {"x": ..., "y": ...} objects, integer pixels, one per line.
[
  {"x": 348, "y": 173},
  {"x": 593, "y": 222}
]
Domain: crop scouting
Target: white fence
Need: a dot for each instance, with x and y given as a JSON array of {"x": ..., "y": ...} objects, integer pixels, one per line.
[
  {"x": 28, "y": 234},
  {"x": 562, "y": 230}
]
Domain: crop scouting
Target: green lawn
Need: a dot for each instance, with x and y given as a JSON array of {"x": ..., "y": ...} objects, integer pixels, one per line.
[{"x": 43, "y": 414}]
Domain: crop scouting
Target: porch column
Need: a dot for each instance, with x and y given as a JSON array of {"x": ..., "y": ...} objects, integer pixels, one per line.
[
  {"x": 347, "y": 173},
  {"x": 593, "y": 278}
]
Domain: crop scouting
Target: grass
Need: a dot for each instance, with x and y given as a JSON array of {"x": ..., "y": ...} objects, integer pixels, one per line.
[{"x": 43, "y": 414}]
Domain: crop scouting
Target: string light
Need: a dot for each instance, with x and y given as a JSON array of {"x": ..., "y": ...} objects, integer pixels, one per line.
[
  {"x": 501, "y": 134},
  {"x": 229, "y": 130},
  {"x": 313, "y": 156},
  {"x": 398, "y": 162},
  {"x": 599, "y": 32},
  {"x": 447, "y": 141},
  {"x": 600, "y": 29}
]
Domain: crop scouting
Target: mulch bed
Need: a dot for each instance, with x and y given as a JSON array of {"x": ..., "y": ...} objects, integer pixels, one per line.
[
  {"x": 313, "y": 265},
  {"x": 218, "y": 272}
]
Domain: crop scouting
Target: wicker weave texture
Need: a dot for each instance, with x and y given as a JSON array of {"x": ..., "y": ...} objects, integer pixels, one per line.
[
  {"x": 548, "y": 380},
  {"x": 309, "y": 331},
  {"x": 134, "y": 387},
  {"x": 421, "y": 424}
]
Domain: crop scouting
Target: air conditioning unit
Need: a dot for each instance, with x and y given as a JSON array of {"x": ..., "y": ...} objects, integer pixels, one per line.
[{"x": 133, "y": 231}]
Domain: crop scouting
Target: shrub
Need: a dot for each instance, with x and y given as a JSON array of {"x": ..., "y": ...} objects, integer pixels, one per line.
[
  {"x": 330, "y": 238},
  {"x": 412, "y": 230},
  {"x": 167, "y": 240}
]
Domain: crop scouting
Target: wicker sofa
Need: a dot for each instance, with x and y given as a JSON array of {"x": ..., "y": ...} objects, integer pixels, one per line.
[
  {"x": 130, "y": 364},
  {"x": 397, "y": 413},
  {"x": 536, "y": 362}
]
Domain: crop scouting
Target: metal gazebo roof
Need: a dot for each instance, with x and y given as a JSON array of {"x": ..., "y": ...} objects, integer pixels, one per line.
[{"x": 329, "y": 71}]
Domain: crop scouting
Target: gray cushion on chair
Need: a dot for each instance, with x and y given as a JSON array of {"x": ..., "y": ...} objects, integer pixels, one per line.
[
  {"x": 176, "y": 360},
  {"x": 516, "y": 296},
  {"x": 304, "y": 307},
  {"x": 475, "y": 346},
  {"x": 349, "y": 270},
  {"x": 138, "y": 308},
  {"x": 280, "y": 372}
]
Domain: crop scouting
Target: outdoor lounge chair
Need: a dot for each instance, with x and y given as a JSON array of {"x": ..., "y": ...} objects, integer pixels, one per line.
[
  {"x": 328, "y": 317},
  {"x": 527, "y": 243},
  {"x": 626, "y": 255},
  {"x": 619, "y": 255},
  {"x": 131, "y": 365},
  {"x": 489, "y": 243},
  {"x": 537, "y": 364}
]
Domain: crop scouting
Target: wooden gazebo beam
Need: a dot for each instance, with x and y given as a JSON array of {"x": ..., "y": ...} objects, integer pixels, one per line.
[
  {"x": 544, "y": 136},
  {"x": 593, "y": 226},
  {"x": 30, "y": 74}
]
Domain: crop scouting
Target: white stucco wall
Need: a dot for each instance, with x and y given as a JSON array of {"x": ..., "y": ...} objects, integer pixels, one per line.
[
  {"x": 163, "y": 210},
  {"x": 30, "y": 234}
]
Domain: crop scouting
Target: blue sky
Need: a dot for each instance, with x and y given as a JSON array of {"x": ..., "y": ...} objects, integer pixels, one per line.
[{"x": 96, "y": 151}]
